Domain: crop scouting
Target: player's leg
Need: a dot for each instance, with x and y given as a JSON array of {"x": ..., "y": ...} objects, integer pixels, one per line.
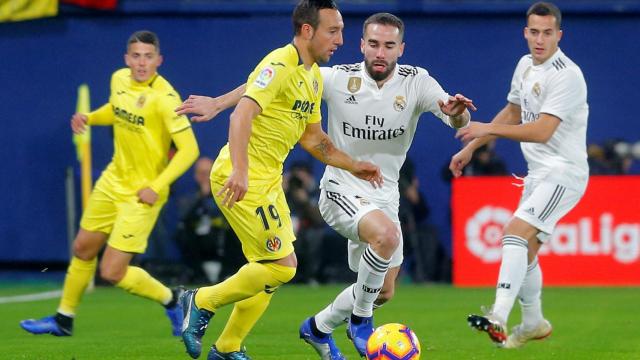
[
  {"x": 263, "y": 224},
  {"x": 383, "y": 238},
  {"x": 132, "y": 228},
  {"x": 243, "y": 317},
  {"x": 97, "y": 221},
  {"x": 534, "y": 326}
]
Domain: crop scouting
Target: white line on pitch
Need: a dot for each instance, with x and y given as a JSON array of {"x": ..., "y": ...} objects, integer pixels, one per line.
[{"x": 31, "y": 297}]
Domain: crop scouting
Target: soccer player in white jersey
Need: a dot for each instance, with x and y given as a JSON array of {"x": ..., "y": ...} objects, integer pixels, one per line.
[
  {"x": 374, "y": 107},
  {"x": 547, "y": 113}
]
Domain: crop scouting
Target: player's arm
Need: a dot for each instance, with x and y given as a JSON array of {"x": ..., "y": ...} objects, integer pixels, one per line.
[
  {"x": 187, "y": 152},
  {"x": 457, "y": 108},
  {"x": 317, "y": 143},
  {"x": 102, "y": 116},
  {"x": 509, "y": 115},
  {"x": 206, "y": 108},
  {"x": 242, "y": 117},
  {"x": 539, "y": 131}
]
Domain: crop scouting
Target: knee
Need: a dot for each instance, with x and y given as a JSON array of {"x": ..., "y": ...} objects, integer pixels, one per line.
[
  {"x": 388, "y": 237},
  {"x": 82, "y": 251},
  {"x": 111, "y": 274}
]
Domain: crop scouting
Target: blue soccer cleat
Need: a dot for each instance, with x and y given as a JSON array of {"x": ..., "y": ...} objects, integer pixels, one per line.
[
  {"x": 214, "y": 354},
  {"x": 194, "y": 324},
  {"x": 325, "y": 347},
  {"x": 46, "y": 325},
  {"x": 175, "y": 313},
  {"x": 360, "y": 333}
]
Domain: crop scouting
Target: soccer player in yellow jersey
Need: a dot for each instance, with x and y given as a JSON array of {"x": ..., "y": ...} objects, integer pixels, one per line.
[
  {"x": 281, "y": 107},
  {"x": 126, "y": 200}
]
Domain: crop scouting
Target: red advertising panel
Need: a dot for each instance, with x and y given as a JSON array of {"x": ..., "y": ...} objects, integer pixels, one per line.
[{"x": 597, "y": 243}]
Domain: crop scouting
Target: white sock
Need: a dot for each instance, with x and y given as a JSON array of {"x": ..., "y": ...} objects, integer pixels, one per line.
[
  {"x": 371, "y": 272},
  {"x": 512, "y": 271},
  {"x": 530, "y": 294},
  {"x": 337, "y": 312}
]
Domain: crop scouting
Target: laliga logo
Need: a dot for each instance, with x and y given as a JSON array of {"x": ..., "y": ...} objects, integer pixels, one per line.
[
  {"x": 484, "y": 233},
  {"x": 589, "y": 236}
]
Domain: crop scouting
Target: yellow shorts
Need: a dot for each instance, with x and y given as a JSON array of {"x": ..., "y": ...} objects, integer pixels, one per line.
[
  {"x": 128, "y": 221},
  {"x": 262, "y": 221}
]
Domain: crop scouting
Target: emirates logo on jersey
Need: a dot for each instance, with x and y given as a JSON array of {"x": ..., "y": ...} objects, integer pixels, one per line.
[{"x": 274, "y": 244}]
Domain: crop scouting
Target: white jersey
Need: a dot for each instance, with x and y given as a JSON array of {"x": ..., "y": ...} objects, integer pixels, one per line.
[
  {"x": 376, "y": 125},
  {"x": 555, "y": 87}
]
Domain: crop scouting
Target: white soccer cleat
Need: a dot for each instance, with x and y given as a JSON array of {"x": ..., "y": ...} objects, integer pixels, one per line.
[{"x": 519, "y": 336}]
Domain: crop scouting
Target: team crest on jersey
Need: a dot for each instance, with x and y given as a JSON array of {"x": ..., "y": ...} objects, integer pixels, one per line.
[
  {"x": 536, "y": 90},
  {"x": 400, "y": 103},
  {"x": 354, "y": 84},
  {"x": 274, "y": 244},
  {"x": 141, "y": 100},
  {"x": 264, "y": 78}
]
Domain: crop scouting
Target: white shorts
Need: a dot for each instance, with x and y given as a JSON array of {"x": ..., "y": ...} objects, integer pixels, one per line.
[
  {"x": 342, "y": 210},
  {"x": 544, "y": 203}
]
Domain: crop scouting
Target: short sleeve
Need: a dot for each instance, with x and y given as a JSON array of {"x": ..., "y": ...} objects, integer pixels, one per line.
[
  {"x": 266, "y": 80},
  {"x": 327, "y": 80},
  {"x": 167, "y": 102},
  {"x": 316, "y": 115},
  {"x": 516, "y": 81},
  {"x": 566, "y": 92}
]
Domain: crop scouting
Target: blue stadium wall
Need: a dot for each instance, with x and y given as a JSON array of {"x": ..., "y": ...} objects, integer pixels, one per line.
[{"x": 42, "y": 62}]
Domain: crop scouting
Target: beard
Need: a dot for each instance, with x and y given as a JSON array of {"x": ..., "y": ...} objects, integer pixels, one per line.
[{"x": 377, "y": 75}]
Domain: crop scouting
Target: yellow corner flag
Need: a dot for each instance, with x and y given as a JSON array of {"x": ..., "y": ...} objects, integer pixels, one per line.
[{"x": 83, "y": 144}]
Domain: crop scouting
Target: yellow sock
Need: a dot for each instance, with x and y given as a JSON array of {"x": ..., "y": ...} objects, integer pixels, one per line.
[
  {"x": 138, "y": 282},
  {"x": 79, "y": 275},
  {"x": 251, "y": 279},
  {"x": 244, "y": 316}
]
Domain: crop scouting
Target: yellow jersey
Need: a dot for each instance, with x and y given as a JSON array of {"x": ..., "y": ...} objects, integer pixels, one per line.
[
  {"x": 290, "y": 97},
  {"x": 143, "y": 120}
]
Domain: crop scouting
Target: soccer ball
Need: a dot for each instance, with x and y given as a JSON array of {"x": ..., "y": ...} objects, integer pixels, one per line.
[{"x": 393, "y": 342}]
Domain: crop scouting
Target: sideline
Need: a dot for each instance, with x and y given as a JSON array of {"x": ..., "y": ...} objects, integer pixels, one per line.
[{"x": 31, "y": 297}]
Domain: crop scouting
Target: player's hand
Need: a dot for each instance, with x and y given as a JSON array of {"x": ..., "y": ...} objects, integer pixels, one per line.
[
  {"x": 79, "y": 123},
  {"x": 459, "y": 161},
  {"x": 456, "y": 105},
  {"x": 234, "y": 188},
  {"x": 147, "y": 196},
  {"x": 367, "y": 171},
  {"x": 473, "y": 130},
  {"x": 204, "y": 108}
]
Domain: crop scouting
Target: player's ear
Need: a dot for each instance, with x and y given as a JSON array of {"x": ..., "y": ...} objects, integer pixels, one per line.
[
  {"x": 160, "y": 59},
  {"x": 306, "y": 31},
  {"x": 126, "y": 59},
  {"x": 362, "y": 46},
  {"x": 401, "y": 49}
]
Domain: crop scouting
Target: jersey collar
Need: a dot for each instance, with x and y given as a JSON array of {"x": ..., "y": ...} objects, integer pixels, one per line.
[
  {"x": 297, "y": 53},
  {"x": 369, "y": 79},
  {"x": 549, "y": 63}
]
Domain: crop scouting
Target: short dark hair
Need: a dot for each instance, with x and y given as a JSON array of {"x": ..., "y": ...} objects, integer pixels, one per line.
[
  {"x": 384, "y": 19},
  {"x": 307, "y": 12},
  {"x": 146, "y": 37},
  {"x": 544, "y": 9}
]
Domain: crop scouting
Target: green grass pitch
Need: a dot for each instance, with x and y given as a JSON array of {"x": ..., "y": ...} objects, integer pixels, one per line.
[{"x": 589, "y": 323}]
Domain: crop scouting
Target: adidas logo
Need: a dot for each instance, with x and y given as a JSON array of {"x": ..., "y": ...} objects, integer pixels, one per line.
[
  {"x": 530, "y": 211},
  {"x": 351, "y": 100}
]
